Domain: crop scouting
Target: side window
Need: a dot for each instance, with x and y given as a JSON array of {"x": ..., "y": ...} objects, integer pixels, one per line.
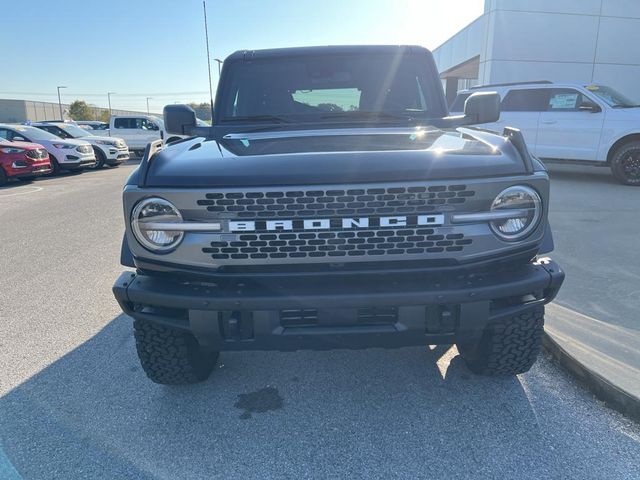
[
  {"x": 565, "y": 100},
  {"x": 125, "y": 123},
  {"x": 525, "y": 100},
  {"x": 4, "y": 133}
]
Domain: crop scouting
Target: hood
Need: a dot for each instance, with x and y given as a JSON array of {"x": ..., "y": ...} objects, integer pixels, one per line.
[
  {"x": 70, "y": 141},
  {"x": 304, "y": 157},
  {"x": 25, "y": 145},
  {"x": 631, "y": 114},
  {"x": 90, "y": 138}
]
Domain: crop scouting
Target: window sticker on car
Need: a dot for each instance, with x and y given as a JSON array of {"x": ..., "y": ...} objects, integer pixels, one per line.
[{"x": 563, "y": 100}]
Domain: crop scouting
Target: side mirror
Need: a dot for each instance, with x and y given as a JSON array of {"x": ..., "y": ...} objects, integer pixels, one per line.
[
  {"x": 589, "y": 106},
  {"x": 179, "y": 119},
  {"x": 482, "y": 107}
]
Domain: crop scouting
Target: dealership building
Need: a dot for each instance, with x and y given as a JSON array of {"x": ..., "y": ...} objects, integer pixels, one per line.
[{"x": 585, "y": 41}]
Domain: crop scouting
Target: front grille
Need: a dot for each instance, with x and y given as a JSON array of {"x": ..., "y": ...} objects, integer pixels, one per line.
[
  {"x": 330, "y": 202},
  {"x": 361, "y": 243},
  {"x": 37, "y": 154},
  {"x": 84, "y": 149}
]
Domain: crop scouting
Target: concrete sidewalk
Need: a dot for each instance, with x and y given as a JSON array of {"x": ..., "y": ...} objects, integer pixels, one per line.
[
  {"x": 593, "y": 327},
  {"x": 605, "y": 357}
]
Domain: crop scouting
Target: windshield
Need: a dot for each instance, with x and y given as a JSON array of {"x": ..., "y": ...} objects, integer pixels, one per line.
[
  {"x": 158, "y": 121},
  {"x": 322, "y": 87},
  {"x": 612, "y": 97},
  {"x": 75, "y": 132},
  {"x": 34, "y": 133}
]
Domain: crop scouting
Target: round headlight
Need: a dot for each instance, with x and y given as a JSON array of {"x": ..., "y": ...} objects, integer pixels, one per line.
[
  {"x": 527, "y": 210},
  {"x": 147, "y": 216}
]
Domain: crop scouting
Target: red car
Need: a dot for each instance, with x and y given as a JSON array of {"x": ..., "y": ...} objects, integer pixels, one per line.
[{"x": 22, "y": 160}]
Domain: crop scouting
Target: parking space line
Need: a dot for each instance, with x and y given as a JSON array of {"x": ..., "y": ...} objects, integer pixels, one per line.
[{"x": 35, "y": 189}]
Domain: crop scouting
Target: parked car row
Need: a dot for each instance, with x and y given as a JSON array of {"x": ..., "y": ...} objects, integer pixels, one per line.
[
  {"x": 28, "y": 151},
  {"x": 591, "y": 124}
]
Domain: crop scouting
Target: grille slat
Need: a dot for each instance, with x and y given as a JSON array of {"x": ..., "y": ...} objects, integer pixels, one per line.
[
  {"x": 37, "y": 154},
  {"x": 393, "y": 242},
  {"x": 371, "y": 201}
]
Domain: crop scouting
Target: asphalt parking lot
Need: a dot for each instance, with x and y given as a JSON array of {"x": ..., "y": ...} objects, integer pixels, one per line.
[{"x": 74, "y": 402}]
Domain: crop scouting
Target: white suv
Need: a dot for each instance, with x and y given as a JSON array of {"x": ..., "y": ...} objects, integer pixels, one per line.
[
  {"x": 591, "y": 124},
  {"x": 110, "y": 151}
]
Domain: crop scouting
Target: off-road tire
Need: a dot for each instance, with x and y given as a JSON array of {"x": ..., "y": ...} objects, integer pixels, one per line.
[
  {"x": 508, "y": 346},
  {"x": 170, "y": 356},
  {"x": 625, "y": 164}
]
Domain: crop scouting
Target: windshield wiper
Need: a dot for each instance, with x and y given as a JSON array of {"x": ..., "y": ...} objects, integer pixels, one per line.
[{"x": 256, "y": 118}]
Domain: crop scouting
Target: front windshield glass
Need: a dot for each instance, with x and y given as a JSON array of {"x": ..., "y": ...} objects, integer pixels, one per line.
[
  {"x": 34, "y": 133},
  {"x": 158, "y": 121},
  {"x": 319, "y": 87},
  {"x": 74, "y": 131},
  {"x": 612, "y": 97}
]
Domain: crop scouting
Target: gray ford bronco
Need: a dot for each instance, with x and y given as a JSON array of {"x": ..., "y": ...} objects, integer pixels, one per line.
[{"x": 335, "y": 203}]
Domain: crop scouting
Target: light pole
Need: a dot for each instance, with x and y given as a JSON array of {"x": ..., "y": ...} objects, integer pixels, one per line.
[
  {"x": 148, "y": 98},
  {"x": 60, "y": 102},
  {"x": 109, "y": 99},
  {"x": 220, "y": 62}
]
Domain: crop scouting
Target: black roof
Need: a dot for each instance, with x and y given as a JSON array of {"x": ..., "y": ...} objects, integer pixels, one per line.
[{"x": 322, "y": 50}]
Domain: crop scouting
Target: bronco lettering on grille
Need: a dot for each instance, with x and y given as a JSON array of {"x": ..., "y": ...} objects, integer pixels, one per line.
[{"x": 336, "y": 223}]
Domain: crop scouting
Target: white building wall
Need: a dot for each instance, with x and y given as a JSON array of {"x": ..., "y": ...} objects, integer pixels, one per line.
[{"x": 585, "y": 41}]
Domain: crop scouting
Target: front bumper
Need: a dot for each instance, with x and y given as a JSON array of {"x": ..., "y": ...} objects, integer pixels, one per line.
[
  {"x": 116, "y": 156},
  {"x": 310, "y": 313},
  {"x": 30, "y": 171},
  {"x": 73, "y": 160}
]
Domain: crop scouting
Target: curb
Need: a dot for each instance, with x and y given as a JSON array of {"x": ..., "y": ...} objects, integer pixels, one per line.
[{"x": 603, "y": 389}]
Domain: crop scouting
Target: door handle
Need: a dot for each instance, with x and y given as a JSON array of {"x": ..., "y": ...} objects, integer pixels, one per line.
[{"x": 549, "y": 122}]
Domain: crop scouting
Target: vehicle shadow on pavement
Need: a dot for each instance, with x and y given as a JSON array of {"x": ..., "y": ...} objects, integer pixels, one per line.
[
  {"x": 411, "y": 412},
  {"x": 582, "y": 173}
]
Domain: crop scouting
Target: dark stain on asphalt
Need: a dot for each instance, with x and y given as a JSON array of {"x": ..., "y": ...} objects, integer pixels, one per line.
[{"x": 260, "y": 401}]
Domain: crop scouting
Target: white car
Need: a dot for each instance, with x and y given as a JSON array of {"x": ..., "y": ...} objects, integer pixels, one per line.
[
  {"x": 140, "y": 130},
  {"x": 69, "y": 154},
  {"x": 110, "y": 151},
  {"x": 590, "y": 124}
]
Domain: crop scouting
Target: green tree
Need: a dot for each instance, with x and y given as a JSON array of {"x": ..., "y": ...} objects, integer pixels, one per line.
[
  {"x": 79, "y": 110},
  {"x": 104, "y": 116}
]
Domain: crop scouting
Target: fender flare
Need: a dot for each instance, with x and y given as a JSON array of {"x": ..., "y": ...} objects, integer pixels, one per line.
[{"x": 126, "y": 257}]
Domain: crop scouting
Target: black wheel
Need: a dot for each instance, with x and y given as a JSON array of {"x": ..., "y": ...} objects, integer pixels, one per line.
[
  {"x": 3, "y": 177},
  {"x": 170, "y": 356},
  {"x": 100, "y": 159},
  {"x": 55, "y": 166},
  {"x": 625, "y": 164},
  {"x": 508, "y": 346}
]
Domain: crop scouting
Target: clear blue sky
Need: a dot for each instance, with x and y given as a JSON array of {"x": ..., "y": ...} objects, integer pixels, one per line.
[{"x": 140, "y": 48}]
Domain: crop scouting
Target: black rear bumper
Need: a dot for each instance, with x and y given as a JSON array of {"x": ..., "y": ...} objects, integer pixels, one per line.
[{"x": 312, "y": 313}]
